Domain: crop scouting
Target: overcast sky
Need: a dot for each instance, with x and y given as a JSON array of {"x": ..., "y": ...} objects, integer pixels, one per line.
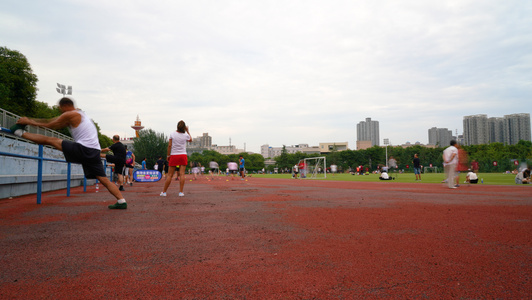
[{"x": 279, "y": 72}]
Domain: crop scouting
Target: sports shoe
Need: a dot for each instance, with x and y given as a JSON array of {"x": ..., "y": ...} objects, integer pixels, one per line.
[
  {"x": 18, "y": 129},
  {"x": 121, "y": 189},
  {"x": 181, "y": 194},
  {"x": 131, "y": 184},
  {"x": 118, "y": 206},
  {"x": 163, "y": 194}
]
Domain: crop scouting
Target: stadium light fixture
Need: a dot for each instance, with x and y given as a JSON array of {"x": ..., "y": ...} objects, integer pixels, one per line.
[{"x": 62, "y": 89}]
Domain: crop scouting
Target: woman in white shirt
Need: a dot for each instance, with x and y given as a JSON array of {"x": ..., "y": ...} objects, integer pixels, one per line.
[{"x": 177, "y": 156}]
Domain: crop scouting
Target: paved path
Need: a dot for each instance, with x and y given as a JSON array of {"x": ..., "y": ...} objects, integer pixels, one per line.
[{"x": 271, "y": 239}]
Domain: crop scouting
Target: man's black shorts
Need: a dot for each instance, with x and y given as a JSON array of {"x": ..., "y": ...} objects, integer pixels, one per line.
[
  {"x": 118, "y": 161},
  {"x": 88, "y": 158}
]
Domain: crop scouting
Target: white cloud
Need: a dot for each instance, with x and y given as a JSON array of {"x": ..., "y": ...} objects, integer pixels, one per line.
[{"x": 279, "y": 72}]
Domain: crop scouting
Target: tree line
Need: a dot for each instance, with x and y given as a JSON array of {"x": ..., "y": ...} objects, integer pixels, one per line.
[{"x": 495, "y": 157}]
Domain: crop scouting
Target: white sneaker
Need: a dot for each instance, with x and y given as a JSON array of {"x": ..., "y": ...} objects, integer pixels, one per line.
[
  {"x": 163, "y": 194},
  {"x": 181, "y": 194}
]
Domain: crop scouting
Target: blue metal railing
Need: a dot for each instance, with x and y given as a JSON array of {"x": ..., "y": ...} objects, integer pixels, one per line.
[
  {"x": 8, "y": 119},
  {"x": 40, "y": 160}
]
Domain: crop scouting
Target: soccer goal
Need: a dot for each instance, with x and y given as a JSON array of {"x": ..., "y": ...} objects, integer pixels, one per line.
[{"x": 315, "y": 168}]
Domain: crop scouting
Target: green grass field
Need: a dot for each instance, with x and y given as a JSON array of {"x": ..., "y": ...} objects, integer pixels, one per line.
[{"x": 489, "y": 178}]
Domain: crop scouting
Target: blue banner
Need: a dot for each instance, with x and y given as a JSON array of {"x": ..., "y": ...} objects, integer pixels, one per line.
[{"x": 147, "y": 175}]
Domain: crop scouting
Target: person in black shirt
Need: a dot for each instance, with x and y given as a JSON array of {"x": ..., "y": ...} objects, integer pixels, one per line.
[
  {"x": 417, "y": 167},
  {"x": 160, "y": 165},
  {"x": 118, "y": 158}
]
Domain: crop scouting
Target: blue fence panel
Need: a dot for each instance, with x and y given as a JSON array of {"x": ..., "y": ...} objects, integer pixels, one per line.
[{"x": 40, "y": 159}]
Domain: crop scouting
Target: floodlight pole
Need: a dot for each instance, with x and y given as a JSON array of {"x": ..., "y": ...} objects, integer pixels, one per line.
[
  {"x": 62, "y": 89},
  {"x": 386, "y": 142}
]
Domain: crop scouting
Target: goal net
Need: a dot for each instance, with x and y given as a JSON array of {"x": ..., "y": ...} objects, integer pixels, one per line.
[{"x": 314, "y": 168}]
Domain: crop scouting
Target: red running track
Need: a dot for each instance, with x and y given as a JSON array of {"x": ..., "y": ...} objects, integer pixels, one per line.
[{"x": 271, "y": 239}]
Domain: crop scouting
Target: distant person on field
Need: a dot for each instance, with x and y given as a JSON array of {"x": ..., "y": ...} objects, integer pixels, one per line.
[
  {"x": 118, "y": 159},
  {"x": 160, "y": 165},
  {"x": 471, "y": 177},
  {"x": 242, "y": 167},
  {"x": 523, "y": 177},
  {"x": 144, "y": 166},
  {"x": 213, "y": 166},
  {"x": 463, "y": 162},
  {"x": 385, "y": 176},
  {"x": 474, "y": 166},
  {"x": 417, "y": 167},
  {"x": 130, "y": 165},
  {"x": 195, "y": 169},
  {"x": 233, "y": 169},
  {"x": 392, "y": 163}
]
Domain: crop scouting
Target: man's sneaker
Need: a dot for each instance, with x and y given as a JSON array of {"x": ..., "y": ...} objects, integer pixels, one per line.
[
  {"x": 18, "y": 129},
  {"x": 181, "y": 194},
  {"x": 131, "y": 184},
  {"x": 121, "y": 188},
  {"x": 118, "y": 206},
  {"x": 163, "y": 194}
]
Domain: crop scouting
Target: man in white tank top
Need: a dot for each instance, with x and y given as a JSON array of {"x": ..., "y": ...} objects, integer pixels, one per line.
[{"x": 85, "y": 150}]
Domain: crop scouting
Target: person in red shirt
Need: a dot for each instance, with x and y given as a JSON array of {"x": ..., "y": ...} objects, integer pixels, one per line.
[{"x": 462, "y": 163}]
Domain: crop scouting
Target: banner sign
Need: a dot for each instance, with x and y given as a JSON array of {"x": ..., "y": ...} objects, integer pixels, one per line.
[{"x": 147, "y": 175}]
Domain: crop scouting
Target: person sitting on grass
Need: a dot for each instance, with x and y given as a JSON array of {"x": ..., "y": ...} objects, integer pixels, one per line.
[
  {"x": 471, "y": 177},
  {"x": 523, "y": 177},
  {"x": 385, "y": 176}
]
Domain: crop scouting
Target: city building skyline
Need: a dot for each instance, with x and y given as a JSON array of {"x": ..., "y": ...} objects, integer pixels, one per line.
[{"x": 510, "y": 129}]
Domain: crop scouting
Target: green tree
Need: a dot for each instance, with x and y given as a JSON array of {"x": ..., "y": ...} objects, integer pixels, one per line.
[
  {"x": 256, "y": 162},
  {"x": 18, "y": 83},
  {"x": 283, "y": 160},
  {"x": 104, "y": 140},
  {"x": 150, "y": 144},
  {"x": 333, "y": 158}
]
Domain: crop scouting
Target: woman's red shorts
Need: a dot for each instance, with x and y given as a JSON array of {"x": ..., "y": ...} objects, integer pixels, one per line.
[{"x": 178, "y": 160}]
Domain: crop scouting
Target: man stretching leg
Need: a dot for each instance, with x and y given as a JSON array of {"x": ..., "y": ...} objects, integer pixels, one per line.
[{"x": 85, "y": 150}]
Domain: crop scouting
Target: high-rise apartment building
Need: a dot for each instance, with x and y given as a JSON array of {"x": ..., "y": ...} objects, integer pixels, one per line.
[
  {"x": 368, "y": 131},
  {"x": 204, "y": 142},
  {"x": 440, "y": 136},
  {"x": 510, "y": 129},
  {"x": 476, "y": 130},
  {"x": 496, "y": 129},
  {"x": 516, "y": 127}
]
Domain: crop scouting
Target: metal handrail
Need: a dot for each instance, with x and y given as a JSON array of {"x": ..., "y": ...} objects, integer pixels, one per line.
[{"x": 8, "y": 119}]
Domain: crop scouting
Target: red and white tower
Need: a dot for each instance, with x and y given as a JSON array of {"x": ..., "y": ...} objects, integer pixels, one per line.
[{"x": 137, "y": 126}]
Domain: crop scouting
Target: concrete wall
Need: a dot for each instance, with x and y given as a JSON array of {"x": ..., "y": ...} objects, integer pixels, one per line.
[{"x": 18, "y": 176}]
